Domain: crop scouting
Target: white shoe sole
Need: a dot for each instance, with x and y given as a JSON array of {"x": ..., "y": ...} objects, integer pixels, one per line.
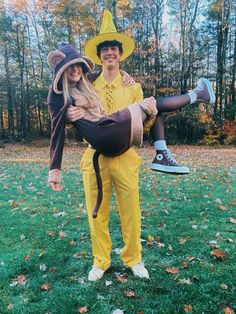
[
  {"x": 210, "y": 90},
  {"x": 169, "y": 169}
]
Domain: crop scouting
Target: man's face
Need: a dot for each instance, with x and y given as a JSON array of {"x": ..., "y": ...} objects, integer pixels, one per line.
[
  {"x": 74, "y": 73},
  {"x": 110, "y": 56}
]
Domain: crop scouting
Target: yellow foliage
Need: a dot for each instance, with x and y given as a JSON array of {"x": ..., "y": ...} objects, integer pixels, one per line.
[
  {"x": 122, "y": 2},
  {"x": 204, "y": 117}
]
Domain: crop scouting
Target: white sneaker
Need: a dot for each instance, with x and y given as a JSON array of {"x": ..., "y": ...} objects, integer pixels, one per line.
[
  {"x": 140, "y": 271},
  {"x": 95, "y": 274}
]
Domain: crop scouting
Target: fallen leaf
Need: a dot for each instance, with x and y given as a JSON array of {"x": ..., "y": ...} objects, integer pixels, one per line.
[
  {"x": 72, "y": 242},
  {"x": 10, "y": 307},
  {"x": 224, "y": 286},
  {"x": 83, "y": 309},
  {"x": 100, "y": 297},
  {"x": 184, "y": 281},
  {"x": 43, "y": 267},
  {"x": 222, "y": 207},
  {"x": 188, "y": 308},
  {"x": 82, "y": 280},
  {"x": 183, "y": 240},
  {"x": 79, "y": 255},
  {"x": 228, "y": 310},
  {"x": 14, "y": 203},
  {"x": 232, "y": 203},
  {"x": 50, "y": 233},
  {"x": 229, "y": 240},
  {"x": 108, "y": 283},
  {"x": 19, "y": 190},
  {"x": 62, "y": 234},
  {"x": 40, "y": 193},
  {"x": 21, "y": 279},
  {"x": 60, "y": 214},
  {"x": 118, "y": 250},
  {"x": 118, "y": 311},
  {"x": 22, "y": 237},
  {"x": 219, "y": 254},
  {"x": 14, "y": 283},
  {"x": 150, "y": 238},
  {"x": 130, "y": 293},
  {"x": 190, "y": 258},
  {"x": 45, "y": 287},
  {"x": 218, "y": 236},
  {"x": 184, "y": 264},
  {"x": 233, "y": 220},
  {"x": 161, "y": 225},
  {"x": 121, "y": 278},
  {"x": 172, "y": 270},
  {"x": 213, "y": 244}
]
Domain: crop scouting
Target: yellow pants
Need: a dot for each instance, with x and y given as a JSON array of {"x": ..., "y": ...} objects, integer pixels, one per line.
[{"x": 122, "y": 173}]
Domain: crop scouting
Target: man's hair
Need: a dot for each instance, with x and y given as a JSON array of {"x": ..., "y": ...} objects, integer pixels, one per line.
[{"x": 111, "y": 43}]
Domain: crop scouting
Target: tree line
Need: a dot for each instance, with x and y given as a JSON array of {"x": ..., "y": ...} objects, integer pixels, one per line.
[{"x": 177, "y": 41}]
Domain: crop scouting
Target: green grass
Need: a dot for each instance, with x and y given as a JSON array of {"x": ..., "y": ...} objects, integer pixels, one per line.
[{"x": 173, "y": 208}]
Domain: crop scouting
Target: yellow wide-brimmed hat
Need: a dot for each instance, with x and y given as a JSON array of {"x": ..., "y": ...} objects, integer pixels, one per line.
[{"x": 108, "y": 32}]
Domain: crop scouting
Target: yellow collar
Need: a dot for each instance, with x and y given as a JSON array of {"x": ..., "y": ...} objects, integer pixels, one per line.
[{"x": 102, "y": 83}]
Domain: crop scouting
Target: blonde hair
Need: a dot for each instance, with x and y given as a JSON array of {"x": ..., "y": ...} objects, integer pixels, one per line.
[{"x": 84, "y": 86}]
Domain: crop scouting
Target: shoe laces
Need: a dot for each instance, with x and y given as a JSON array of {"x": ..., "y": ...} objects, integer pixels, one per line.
[
  {"x": 169, "y": 156},
  {"x": 200, "y": 86}
]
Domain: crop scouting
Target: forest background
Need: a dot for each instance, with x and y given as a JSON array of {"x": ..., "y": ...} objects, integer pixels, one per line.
[{"x": 177, "y": 41}]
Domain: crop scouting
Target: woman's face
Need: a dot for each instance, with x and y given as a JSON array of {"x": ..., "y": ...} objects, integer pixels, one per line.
[{"x": 74, "y": 73}]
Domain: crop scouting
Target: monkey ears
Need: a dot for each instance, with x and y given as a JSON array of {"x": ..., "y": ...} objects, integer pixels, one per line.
[{"x": 55, "y": 57}]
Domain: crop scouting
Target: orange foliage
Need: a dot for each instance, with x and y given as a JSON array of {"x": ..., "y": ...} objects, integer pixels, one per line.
[
  {"x": 17, "y": 5},
  {"x": 230, "y": 128},
  {"x": 204, "y": 116}
]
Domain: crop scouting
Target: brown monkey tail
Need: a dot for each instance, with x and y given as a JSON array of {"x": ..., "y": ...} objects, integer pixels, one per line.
[{"x": 99, "y": 183}]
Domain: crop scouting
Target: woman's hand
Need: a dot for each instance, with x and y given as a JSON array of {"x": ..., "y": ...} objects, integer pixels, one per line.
[
  {"x": 57, "y": 187},
  {"x": 127, "y": 79},
  {"x": 75, "y": 113}
]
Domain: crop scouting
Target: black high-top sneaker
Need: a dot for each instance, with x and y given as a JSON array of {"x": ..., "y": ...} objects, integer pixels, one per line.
[
  {"x": 204, "y": 91},
  {"x": 164, "y": 162}
]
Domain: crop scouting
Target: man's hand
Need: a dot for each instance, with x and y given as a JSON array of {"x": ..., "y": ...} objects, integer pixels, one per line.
[
  {"x": 57, "y": 187},
  {"x": 75, "y": 113},
  {"x": 127, "y": 79}
]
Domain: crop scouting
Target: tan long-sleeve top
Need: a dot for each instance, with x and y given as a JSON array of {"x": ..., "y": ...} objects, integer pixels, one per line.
[{"x": 93, "y": 109}]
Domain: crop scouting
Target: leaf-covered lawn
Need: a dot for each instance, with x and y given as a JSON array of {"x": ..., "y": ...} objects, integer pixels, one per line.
[{"x": 188, "y": 238}]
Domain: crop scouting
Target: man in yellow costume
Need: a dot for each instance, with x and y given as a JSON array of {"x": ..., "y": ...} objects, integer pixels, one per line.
[{"x": 122, "y": 172}]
